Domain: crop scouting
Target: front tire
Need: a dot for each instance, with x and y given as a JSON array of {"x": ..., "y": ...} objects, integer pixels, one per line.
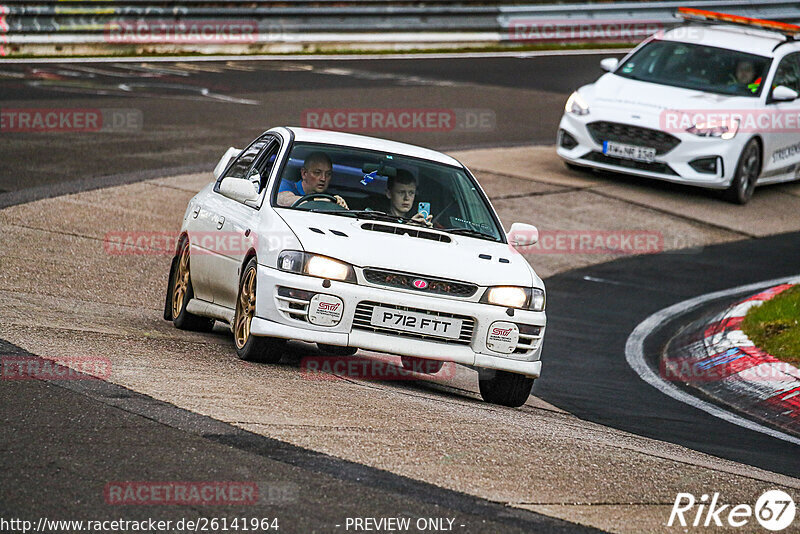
[
  {"x": 747, "y": 170},
  {"x": 421, "y": 365},
  {"x": 504, "y": 388},
  {"x": 249, "y": 347},
  {"x": 181, "y": 292}
]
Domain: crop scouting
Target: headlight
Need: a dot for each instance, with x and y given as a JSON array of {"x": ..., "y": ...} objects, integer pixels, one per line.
[
  {"x": 314, "y": 265},
  {"x": 515, "y": 297},
  {"x": 537, "y": 299},
  {"x": 723, "y": 130},
  {"x": 576, "y": 104}
]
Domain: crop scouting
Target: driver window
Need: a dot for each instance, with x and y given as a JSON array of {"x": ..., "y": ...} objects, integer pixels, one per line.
[
  {"x": 245, "y": 160},
  {"x": 788, "y": 73}
]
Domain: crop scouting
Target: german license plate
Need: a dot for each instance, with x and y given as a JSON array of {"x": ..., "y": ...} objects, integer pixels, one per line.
[
  {"x": 620, "y": 150},
  {"x": 418, "y": 323}
]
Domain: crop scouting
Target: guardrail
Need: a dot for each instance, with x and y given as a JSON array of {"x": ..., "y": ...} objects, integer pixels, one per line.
[{"x": 316, "y": 25}]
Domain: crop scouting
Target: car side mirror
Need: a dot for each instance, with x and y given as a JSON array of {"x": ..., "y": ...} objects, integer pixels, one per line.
[
  {"x": 784, "y": 94},
  {"x": 609, "y": 64},
  {"x": 522, "y": 235},
  {"x": 238, "y": 190}
]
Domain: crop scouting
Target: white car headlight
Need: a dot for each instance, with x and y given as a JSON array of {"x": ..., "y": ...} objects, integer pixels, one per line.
[
  {"x": 576, "y": 104},
  {"x": 723, "y": 130},
  {"x": 515, "y": 297},
  {"x": 315, "y": 265}
]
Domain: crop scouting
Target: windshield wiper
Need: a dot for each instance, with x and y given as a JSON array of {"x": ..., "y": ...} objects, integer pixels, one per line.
[{"x": 470, "y": 232}]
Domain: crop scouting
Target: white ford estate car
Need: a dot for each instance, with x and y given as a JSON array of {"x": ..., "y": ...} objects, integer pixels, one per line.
[
  {"x": 712, "y": 103},
  {"x": 352, "y": 242}
]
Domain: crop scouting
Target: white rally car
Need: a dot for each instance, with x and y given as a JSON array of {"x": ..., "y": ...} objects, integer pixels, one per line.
[
  {"x": 711, "y": 103},
  {"x": 353, "y": 243}
]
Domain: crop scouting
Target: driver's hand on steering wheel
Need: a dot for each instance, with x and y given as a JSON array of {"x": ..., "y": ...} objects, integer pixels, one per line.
[{"x": 341, "y": 202}]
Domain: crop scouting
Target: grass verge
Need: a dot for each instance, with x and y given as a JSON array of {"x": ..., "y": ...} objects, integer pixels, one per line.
[{"x": 775, "y": 325}]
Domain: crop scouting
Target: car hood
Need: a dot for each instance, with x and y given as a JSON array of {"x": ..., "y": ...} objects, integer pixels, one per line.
[
  {"x": 457, "y": 260},
  {"x": 612, "y": 91}
]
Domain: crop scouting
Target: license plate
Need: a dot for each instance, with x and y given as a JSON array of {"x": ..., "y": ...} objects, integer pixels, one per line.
[
  {"x": 418, "y": 323},
  {"x": 620, "y": 150}
]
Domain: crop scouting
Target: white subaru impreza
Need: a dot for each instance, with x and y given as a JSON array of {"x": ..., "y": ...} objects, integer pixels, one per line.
[
  {"x": 352, "y": 242},
  {"x": 711, "y": 103}
]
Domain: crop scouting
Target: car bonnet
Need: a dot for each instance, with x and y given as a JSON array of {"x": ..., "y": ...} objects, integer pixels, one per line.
[{"x": 463, "y": 258}]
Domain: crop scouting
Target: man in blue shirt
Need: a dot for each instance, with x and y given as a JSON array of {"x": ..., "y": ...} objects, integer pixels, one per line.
[{"x": 315, "y": 176}]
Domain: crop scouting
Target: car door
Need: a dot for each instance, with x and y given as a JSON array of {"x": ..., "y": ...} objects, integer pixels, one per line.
[
  {"x": 235, "y": 222},
  {"x": 782, "y": 137}
]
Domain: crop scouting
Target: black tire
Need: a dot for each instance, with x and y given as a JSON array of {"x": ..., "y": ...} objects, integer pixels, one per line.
[
  {"x": 504, "y": 388},
  {"x": 337, "y": 350},
  {"x": 747, "y": 170},
  {"x": 421, "y": 365},
  {"x": 180, "y": 292},
  {"x": 249, "y": 347}
]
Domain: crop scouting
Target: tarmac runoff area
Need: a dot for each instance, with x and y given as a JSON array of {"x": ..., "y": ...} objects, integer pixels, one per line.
[{"x": 65, "y": 296}]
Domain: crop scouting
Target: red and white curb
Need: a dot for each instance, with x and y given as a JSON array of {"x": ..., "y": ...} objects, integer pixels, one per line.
[
  {"x": 730, "y": 359},
  {"x": 714, "y": 356}
]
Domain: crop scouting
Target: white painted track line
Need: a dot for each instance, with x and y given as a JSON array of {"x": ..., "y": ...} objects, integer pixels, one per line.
[{"x": 634, "y": 354}]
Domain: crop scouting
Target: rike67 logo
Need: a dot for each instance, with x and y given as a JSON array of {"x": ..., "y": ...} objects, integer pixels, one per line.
[{"x": 774, "y": 510}]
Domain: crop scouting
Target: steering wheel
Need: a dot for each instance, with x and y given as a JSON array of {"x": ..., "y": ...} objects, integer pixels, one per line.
[{"x": 313, "y": 196}]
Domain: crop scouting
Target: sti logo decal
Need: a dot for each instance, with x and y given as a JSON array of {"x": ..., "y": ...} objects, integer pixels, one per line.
[
  {"x": 501, "y": 331},
  {"x": 328, "y": 306},
  {"x": 420, "y": 284}
]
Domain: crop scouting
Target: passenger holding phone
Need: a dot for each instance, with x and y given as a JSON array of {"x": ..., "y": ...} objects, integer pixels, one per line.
[{"x": 401, "y": 190}]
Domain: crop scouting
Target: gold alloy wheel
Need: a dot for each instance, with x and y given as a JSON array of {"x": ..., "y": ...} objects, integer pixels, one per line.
[
  {"x": 181, "y": 285},
  {"x": 245, "y": 308}
]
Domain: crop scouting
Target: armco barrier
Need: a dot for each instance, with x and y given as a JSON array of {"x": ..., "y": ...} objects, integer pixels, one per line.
[{"x": 267, "y": 26}]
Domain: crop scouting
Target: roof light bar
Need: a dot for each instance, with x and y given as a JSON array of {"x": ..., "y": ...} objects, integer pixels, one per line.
[{"x": 691, "y": 14}]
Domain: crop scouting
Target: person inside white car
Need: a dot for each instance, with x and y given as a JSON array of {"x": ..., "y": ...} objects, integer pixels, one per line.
[
  {"x": 401, "y": 190},
  {"x": 744, "y": 75},
  {"x": 315, "y": 176}
]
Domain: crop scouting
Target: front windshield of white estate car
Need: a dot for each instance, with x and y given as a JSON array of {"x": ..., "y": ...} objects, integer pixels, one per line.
[
  {"x": 692, "y": 66},
  {"x": 383, "y": 186}
]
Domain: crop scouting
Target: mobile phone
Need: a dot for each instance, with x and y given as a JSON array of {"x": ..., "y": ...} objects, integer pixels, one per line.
[{"x": 424, "y": 209}]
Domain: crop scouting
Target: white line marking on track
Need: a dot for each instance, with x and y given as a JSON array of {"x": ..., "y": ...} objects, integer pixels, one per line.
[
  {"x": 318, "y": 57},
  {"x": 634, "y": 354}
]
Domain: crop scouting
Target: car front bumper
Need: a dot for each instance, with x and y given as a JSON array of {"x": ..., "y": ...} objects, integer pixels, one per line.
[
  {"x": 673, "y": 166},
  {"x": 273, "y": 319}
]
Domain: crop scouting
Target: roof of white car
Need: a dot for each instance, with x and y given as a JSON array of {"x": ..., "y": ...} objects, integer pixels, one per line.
[
  {"x": 310, "y": 135},
  {"x": 750, "y": 40}
]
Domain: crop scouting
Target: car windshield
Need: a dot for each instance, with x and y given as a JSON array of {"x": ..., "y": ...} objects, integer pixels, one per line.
[
  {"x": 705, "y": 68},
  {"x": 383, "y": 186}
]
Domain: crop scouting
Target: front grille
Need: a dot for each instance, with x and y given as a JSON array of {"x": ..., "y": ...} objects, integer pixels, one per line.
[
  {"x": 632, "y": 135},
  {"x": 363, "y": 317},
  {"x": 655, "y": 166},
  {"x": 436, "y": 286}
]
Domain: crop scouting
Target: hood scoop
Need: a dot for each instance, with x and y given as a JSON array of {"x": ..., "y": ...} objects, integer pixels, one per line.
[{"x": 403, "y": 230}]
